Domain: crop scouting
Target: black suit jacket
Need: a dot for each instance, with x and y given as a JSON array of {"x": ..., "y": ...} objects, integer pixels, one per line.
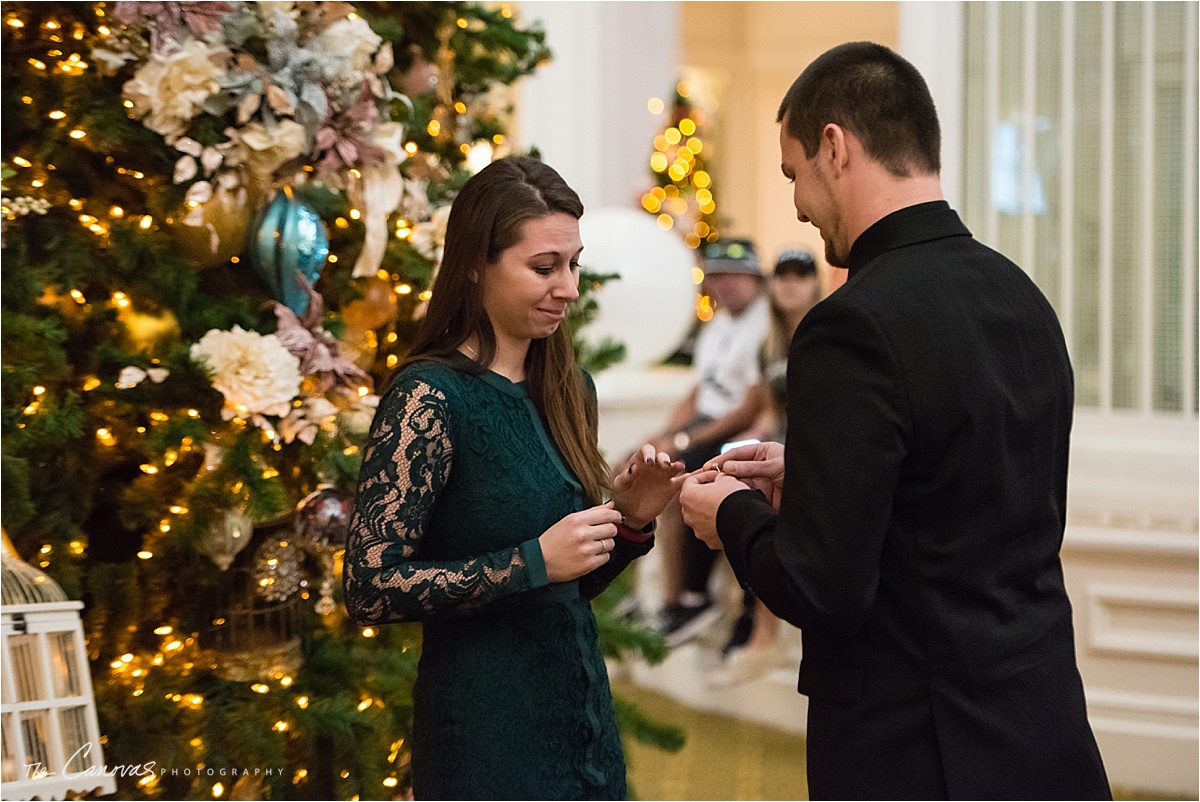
[{"x": 917, "y": 540}]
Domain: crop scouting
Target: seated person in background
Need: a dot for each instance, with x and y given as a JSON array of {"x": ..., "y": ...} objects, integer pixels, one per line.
[
  {"x": 726, "y": 400},
  {"x": 794, "y": 288}
]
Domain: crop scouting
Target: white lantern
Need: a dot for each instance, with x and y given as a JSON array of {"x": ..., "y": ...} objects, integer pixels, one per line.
[{"x": 51, "y": 737}]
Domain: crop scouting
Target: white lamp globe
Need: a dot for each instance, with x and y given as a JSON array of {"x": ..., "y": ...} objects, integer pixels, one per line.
[{"x": 651, "y": 306}]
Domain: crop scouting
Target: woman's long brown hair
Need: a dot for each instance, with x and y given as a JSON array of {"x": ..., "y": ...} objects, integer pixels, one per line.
[{"x": 487, "y": 218}]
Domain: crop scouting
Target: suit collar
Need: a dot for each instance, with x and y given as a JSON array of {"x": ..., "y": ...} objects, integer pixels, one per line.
[{"x": 909, "y": 226}]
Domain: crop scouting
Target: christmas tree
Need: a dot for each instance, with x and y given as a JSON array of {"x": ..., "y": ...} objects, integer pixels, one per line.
[{"x": 221, "y": 223}]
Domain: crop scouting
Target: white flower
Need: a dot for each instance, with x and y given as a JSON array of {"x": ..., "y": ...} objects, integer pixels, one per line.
[
  {"x": 353, "y": 43},
  {"x": 170, "y": 90},
  {"x": 355, "y": 420},
  {"x": 255, "y": 372},
  {"x": 268, "y": 149},
  {"x": 304, "y": 421},
  {"x": 429, "y": 238}
]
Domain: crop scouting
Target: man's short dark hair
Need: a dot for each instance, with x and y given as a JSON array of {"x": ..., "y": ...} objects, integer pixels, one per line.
[{"x": 875, "y": 94}]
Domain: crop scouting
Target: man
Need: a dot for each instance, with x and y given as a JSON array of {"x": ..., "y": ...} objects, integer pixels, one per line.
[
  {"x": 725, "y": 401},
  {"x": 919, "y": 502}
]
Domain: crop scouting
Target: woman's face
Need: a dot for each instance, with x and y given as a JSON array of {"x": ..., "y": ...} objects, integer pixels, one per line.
[
  {"x": 527, "y": 290},
  {"x": 793, "y": 293}
]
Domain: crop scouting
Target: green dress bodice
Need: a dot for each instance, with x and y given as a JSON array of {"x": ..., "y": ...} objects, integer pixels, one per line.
[{"x": 512, "y": 701}]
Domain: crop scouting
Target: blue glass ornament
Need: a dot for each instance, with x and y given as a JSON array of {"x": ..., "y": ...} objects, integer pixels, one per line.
[{"x": 289, "y": 241}]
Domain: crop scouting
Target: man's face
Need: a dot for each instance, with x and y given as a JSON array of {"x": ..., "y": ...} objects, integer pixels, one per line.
[
  {"x": 733, "y": 291},
  {"x": 813, "y": 196}
]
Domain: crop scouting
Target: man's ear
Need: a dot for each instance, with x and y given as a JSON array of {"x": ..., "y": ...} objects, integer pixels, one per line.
[{"x": 835, "y": 143}]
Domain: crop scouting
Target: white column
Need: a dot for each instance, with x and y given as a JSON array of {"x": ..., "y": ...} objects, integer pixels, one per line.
[
  {"x": 586, "y": 110},
  {"x": 931, "y": 37}
]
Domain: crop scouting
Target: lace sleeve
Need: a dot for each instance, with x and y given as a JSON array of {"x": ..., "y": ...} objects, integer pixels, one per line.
[{"x": 405, "y": 466}]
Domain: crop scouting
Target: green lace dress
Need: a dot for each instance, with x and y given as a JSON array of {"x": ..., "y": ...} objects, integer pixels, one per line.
[{"x": 459, "y": 479}]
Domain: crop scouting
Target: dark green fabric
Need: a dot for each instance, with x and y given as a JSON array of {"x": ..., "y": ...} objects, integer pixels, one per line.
[{"x": 512, "y": 699}]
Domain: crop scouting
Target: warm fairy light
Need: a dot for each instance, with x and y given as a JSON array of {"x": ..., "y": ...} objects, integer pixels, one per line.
[
  {"x": 687, "y": 126},
  {"x": 77, "y": 296},
  {"x": 76, "y": 547},
  {"x": 145, "y": 222},
  {"x": 91, "y": 383},
  {"x": 460, "y": 107},
  {"x": 148, "y": 468},
  {"x": 163, "y": 630},
  {"x": 363, "y": 705},
  {"x": 665, "y": 222},
  {"x": 434, "y": 128},
  {"x": 704, "y": 308},
  {"x": 103, "y": 30},
  {"x": 106, "y": 437},
  {"x": 159, "y": 416},
  {"x": 178, "y": 510},
  {"x": 498, "y": 139},
  {"x": 37, "y": 65},
  {"x": 280, "y": 726},
  {"x": 684, "y": 89},
  {"x": 426, "y": 295},
  {"x": 164, "y": 527},
  {"x": 120, "y": 299},
  {"x": 21, "y": 161},
  {"x": 258, "y": 687},
  {"x": 650, "y": 203},
  {"x": 697, "y": 276},
  {"x": 78, "y": 133},
  {"x": 392, "y": 337},
  {"x": 302, "y": 702},
  {"x": 390, "y": 782},
  {"x": 462, "y": 23},
  {"x": 145, "y": 555},
  {"x": 56, "y": 114},
  {"x": 13, "y": 22},
  {"x": 410, "y": 148},
  {"x": 368, "y": 632},
  {"x": 403, "y": 289},
  {"x": 701, "y": 179},
  {"x": 658, "y": 162},
  {"x": 672, "y": 135},
  {"x": 332, "y": 258},
  {"x": 341, "y": 222},
  {"x": 46, "y": 549},
  {"x": 655, "y": 105},
  {"x": 695, "y": 145},
  {"x": 218, "y": 789},
  {"x": 355, "y": 214},
  {"x": 393, "y": 360},
  {"x": 286, "y": 681},
  {"x": 193, "y": 413},
  {"x": 170, "y": 458}
]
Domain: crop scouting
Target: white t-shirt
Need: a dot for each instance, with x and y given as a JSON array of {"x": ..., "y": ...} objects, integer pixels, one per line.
[{"x": 726, "y": 358}]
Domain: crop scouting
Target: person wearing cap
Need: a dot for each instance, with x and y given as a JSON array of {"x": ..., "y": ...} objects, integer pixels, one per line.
[
  {"x": 725, "y": 402},
  {"x": 753, "y": 645},
  {"x": 911, "y": 524}
]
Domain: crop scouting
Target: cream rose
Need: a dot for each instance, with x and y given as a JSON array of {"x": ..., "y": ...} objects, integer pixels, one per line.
[
  {"x": 255, "y": 372},
  {"x": 170, "y": 90},
  {"x": 267, "y": 149}
]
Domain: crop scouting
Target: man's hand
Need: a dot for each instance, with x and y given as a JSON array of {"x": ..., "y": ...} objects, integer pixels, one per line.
[
  {"x": 759, "y": 465},
  {"x": 644, "y": 485},
  {"x": 701, "y": 497}
]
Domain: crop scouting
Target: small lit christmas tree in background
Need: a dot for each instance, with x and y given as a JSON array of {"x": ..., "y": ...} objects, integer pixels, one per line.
[
  {"x": 682, "y": 196},
  {"x": 222, "y": 221}
]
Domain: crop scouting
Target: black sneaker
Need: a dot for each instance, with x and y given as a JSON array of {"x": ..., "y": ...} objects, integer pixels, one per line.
[
  {"x": 740, "y": 635},
  {"x": 680, "y": 624}
]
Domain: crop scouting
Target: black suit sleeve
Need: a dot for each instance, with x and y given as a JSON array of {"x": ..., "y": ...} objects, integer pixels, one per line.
[{"x": 816, "y": 562}]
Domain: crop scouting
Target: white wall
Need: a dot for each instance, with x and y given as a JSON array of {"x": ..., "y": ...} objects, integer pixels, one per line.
[{"x": 586, "y": 110}]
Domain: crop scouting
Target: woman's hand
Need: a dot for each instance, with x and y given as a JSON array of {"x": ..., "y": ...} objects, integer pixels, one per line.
[
  {"x": 579, "y": 543},
  {"x": 645, "y": 484}
]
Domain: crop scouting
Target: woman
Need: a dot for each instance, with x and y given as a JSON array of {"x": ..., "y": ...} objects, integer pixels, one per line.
[
  {"x": 481, "y": 509},
  {"x": 753, "y": 647}
]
